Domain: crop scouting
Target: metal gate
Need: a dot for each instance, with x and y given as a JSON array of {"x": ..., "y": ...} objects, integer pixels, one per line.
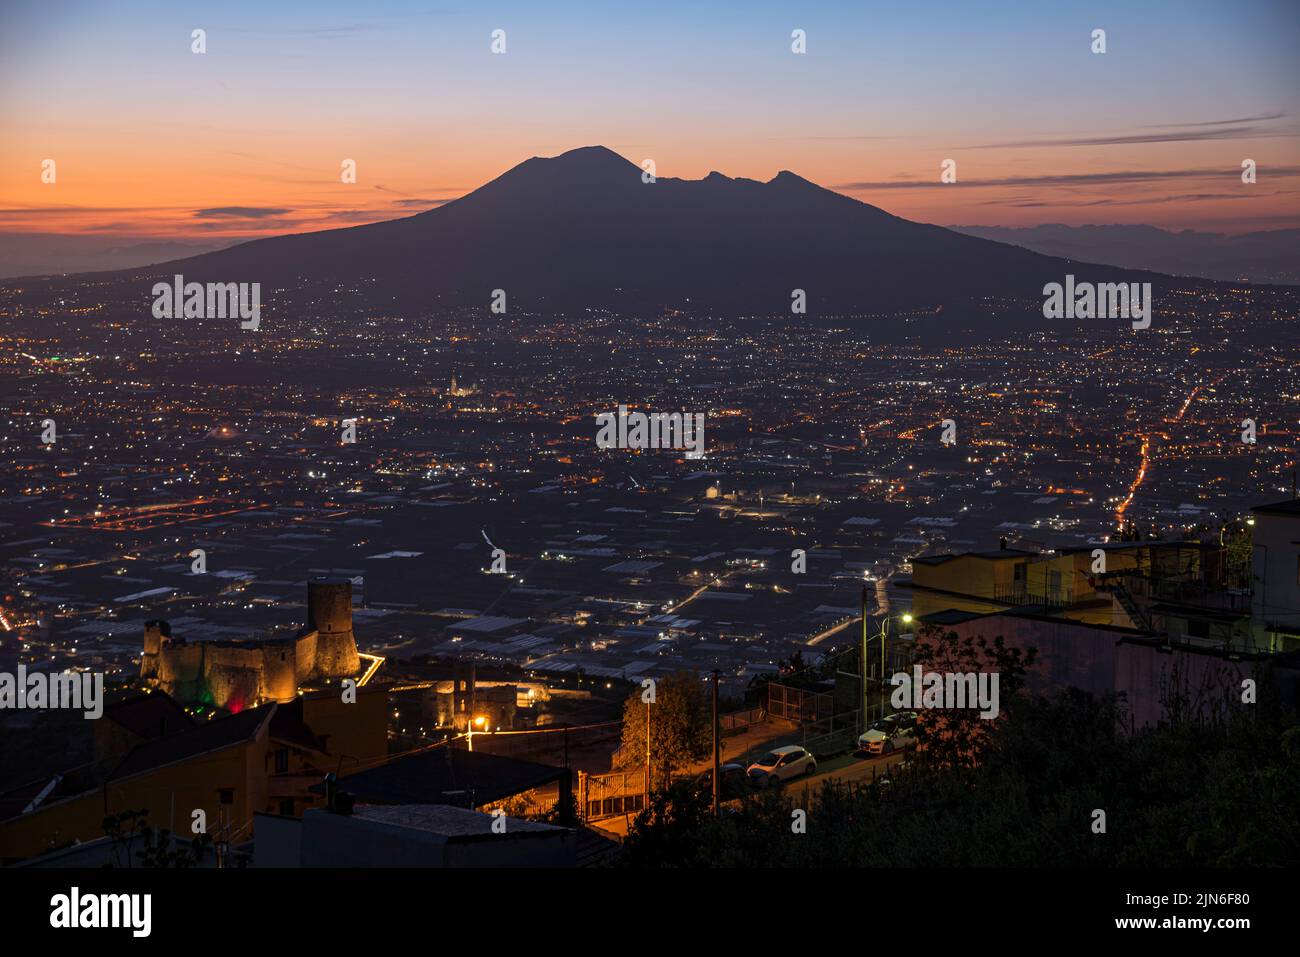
[{"x": 610, "y": 795}]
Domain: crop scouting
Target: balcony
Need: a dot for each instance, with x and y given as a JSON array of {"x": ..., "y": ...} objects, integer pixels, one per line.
[{"x": 1019, "y": 595}]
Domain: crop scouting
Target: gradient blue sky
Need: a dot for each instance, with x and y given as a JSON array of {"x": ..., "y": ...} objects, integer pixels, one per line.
[{"x": 247, "y": 139}]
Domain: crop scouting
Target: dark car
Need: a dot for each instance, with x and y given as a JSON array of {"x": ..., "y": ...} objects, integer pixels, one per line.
[{"x": 732, "y": 782}]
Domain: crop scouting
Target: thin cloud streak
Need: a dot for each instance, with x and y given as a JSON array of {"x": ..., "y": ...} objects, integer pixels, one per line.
[
  {"x": 1071, "y": 179},
  {"x": 1262, "y": 117},
  {"x": 1181, "y": 136},
  {"x": 240, "y": 212}
]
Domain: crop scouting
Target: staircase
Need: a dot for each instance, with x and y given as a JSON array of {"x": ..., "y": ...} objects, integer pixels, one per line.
[{"x": 1131, "y": 608}]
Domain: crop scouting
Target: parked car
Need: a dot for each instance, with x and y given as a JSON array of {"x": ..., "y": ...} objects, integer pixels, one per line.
[
  {"x": 732, "y": 782},
  {"x": 893, "y": 733},
  {"x": 781, "y": 765}
]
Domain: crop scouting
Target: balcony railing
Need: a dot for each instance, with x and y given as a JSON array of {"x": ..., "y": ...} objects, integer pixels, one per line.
[{"x": 1019, "y": 594}]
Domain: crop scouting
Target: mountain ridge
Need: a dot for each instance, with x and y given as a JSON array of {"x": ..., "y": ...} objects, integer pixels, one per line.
[
  {"x": 1261, "y": 256},
  {"x": 582, "y": 229}
]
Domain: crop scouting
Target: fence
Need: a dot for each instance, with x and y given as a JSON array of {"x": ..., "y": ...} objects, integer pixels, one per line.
[
  {"x": 832, "y": 734},
  {"x": 900, "y": 652},
  {"x": 738, "y": 721},
  {"x": 610, "y": 795},
  {"x": 796, "y": 704},
  {"x": 1018, "y": 594},
  {"x": 548, "y": 740}
]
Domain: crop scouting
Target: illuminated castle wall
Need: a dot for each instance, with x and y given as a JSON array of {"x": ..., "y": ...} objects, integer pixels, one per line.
[{"x": 236, "y": 675}]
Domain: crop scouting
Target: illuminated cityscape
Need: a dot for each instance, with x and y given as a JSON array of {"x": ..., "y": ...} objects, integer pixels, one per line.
[{"x": 485, "y": 497}]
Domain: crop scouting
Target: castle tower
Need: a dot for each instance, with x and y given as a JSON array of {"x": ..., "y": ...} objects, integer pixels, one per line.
[
  {"x": 279, "y": 680},
  {"x": 329, "y": 614},
  {"x": 157, "y": 633}
]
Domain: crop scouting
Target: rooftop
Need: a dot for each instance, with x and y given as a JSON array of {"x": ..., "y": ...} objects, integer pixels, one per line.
[
  {"x": 992, "y": 556},
  {"x": 444, "y": 820},
  {"x": 447, "y": 775},
  {"x": 149, "y": 715}
]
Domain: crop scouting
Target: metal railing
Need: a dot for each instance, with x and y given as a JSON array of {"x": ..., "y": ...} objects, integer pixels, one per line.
[
  {"x": 797, "y": 704},
  {"x": 1019, "y": 594},
  {"x": 610, "y": 795}
]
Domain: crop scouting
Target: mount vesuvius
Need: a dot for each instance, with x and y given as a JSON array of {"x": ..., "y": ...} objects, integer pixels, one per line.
[{"x": 584, "y": 230}]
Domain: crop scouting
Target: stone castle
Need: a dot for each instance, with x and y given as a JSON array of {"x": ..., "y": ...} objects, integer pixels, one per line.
[{"x": 235, "y": 675}]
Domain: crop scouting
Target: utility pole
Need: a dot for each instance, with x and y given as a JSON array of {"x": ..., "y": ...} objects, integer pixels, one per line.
[
  {"x": 863, "y": 657},
  {"x": 220, "y": 845},
  {"x": 717, "y": 761},
  {"x": 473, "y": 674},
  {"x": 647, "y": 753},
  {"x": 884, "y": 633}
]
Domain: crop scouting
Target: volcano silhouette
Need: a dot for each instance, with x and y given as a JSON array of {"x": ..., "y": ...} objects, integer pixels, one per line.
[{"x": 584, "y": 229}]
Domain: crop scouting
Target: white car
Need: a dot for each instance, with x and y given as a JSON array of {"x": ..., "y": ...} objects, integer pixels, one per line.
[
  {"x": 896, "y": 732},
  {"x": 781, "y": 765}
]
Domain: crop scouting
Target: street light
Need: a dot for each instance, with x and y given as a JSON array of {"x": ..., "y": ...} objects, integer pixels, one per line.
[
  {"x": 647, "y": 754},
  {"x": 480, "y": 721},
  {"x": 905, "y": 618}
]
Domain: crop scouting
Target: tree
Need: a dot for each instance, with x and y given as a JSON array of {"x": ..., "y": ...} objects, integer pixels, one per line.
[
  {"x": 797, "y": 672},
  {"x": 679, "y": 726},
  {"x": 794, "y": 665},
  {"x": 1240, "y": 542},
  {"x": 1189, "y": 792},
  {"x": 955, "y": 738},
  {"x": 156, "y": 848}
]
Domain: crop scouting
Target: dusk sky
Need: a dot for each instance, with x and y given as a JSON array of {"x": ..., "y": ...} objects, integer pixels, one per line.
[{"x": 247, "y": 139}]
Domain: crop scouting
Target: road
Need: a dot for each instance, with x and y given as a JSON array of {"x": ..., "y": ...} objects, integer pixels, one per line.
[{"x": 846, "y": 769}]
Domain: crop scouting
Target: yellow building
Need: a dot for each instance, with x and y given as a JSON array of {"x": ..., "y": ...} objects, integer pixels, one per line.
[
  {"x": 1119, "y": 584},
  {"x": 150, "y": 755},
  {"x": 979, "y": 582}
]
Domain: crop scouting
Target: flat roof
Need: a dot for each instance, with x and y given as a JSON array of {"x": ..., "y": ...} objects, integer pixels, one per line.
[
  {"x": 447, "y": 775},
  {"x": 1291, "y": 507},
  {"x": 445, "y": 820},
  {"x": 1001, "y": 553},
  {"x": 488, "y": 623}
]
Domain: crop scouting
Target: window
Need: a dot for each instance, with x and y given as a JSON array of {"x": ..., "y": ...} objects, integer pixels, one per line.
[
  {"x": 281, "y": 760},
  {"x": 286, "y": 807},
  {"x": 226, "y": 795}
]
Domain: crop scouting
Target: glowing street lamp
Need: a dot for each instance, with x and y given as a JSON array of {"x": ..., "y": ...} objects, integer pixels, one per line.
[
  {"x": 480, "y": 721},
  {"x": 905, "y": 618}
]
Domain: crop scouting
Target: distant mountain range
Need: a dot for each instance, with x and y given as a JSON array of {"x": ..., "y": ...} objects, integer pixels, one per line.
[
  {"x": 32, "y": 254},
  {"x": 1271, "y": 256}
]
